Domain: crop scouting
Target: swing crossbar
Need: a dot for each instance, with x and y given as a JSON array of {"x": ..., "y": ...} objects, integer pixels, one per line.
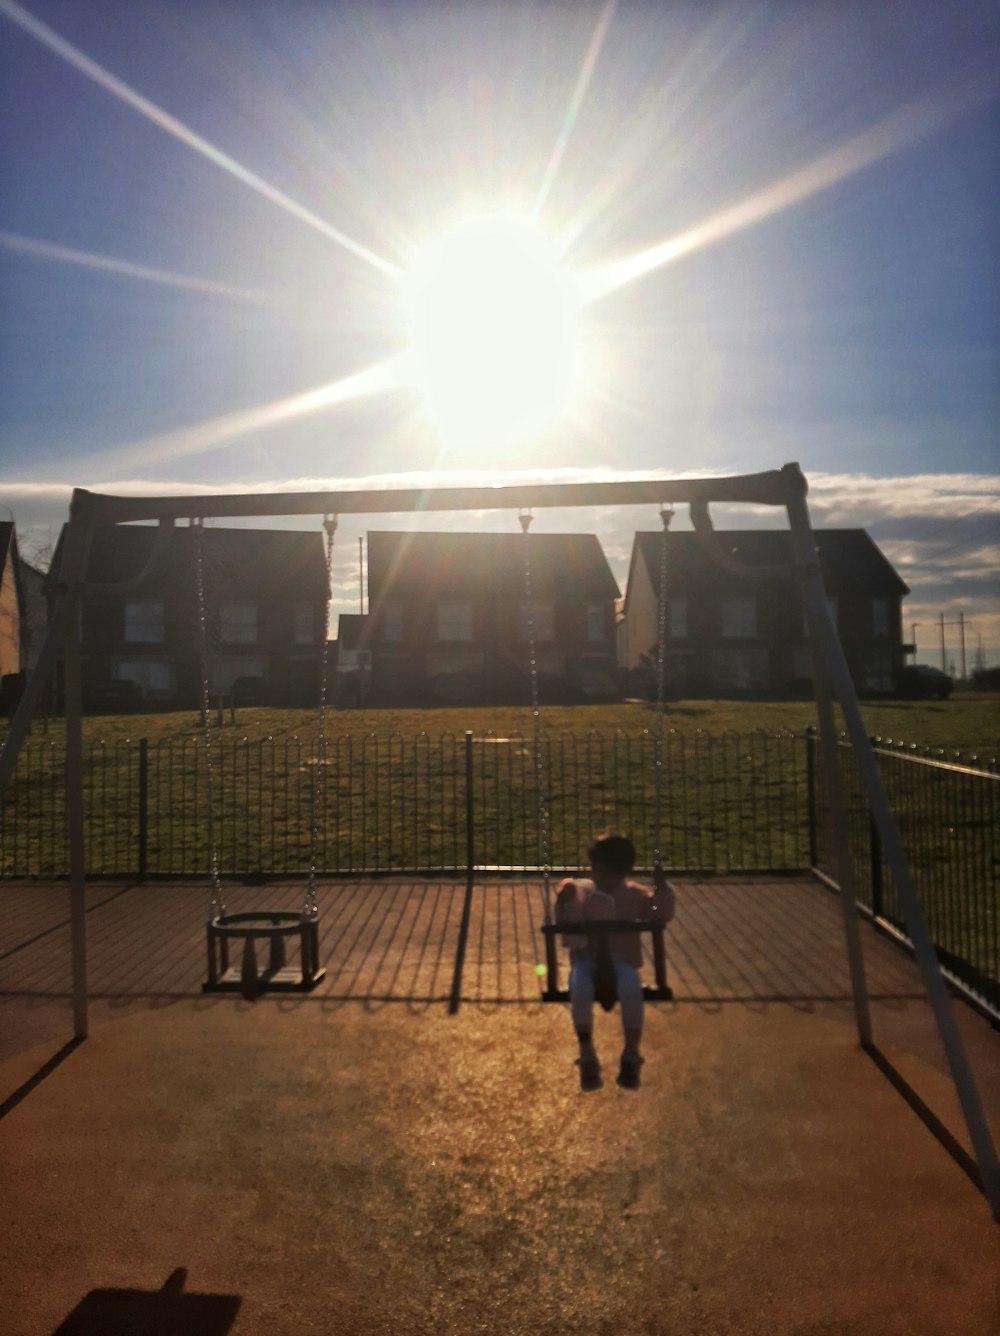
[
  {"x": 772, "y": 488},
  {"x": 660, "y": 992},
  {"x": 272, "y": 926}
]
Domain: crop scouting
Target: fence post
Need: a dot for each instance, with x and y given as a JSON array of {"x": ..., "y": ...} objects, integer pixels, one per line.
[
  {"x": 875, "y": 859},
  {"x": 811, "y": 795},
  {"x": 455, "y": 999},
  {"x": 143, "y": 807},
  {"x": 875, "y": 864},
  {"x": 470, "y": 848}
]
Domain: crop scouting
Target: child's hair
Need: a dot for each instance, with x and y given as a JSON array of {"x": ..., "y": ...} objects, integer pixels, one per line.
[{"x": 616, "y": 853}]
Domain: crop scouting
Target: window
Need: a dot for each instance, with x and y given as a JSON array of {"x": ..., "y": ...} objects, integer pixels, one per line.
[
  {"x": 224, "y": 671},
  {"x": 239, "y": 622},
  {"x": 149, "y": 675},
  {"x": 677, "y": 618},
  {"x": 831, "y": 603},
  {"x": 880, "y": 616},
  {"x": 305, "y": 623},
  {"x": 392, "y": 622},
  {"x": 801, "y": 662},
  {"x": 143, "y": 622},
  {"x": 454, "y": 621},
  {"x": 739, "y": 617},
  {"x": 743, "y": 668},
  {"x": 597, "y": 623},
  {"x": 544, "y": 616}
]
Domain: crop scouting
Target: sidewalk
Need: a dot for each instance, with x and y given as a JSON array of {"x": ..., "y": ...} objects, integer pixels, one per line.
[{"x": 358, "y": 1161}]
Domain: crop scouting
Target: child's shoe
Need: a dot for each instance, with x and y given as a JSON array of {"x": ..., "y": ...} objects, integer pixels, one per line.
[
  {"x": 629, "y": 1071},
  {"x": 590, "y": 1073}
]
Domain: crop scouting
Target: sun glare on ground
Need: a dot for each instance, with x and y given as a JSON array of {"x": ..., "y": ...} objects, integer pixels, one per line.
[{"x": 492, "y": 321}]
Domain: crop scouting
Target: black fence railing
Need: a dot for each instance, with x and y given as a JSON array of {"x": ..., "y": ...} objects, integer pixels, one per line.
[
  {"x": 948, "y": 817},
  {"x": 413, "y": 804},
  {"x": 422, "y": 804}
]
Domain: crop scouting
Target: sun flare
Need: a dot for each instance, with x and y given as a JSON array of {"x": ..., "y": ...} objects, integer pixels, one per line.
[{"x": 491, "y": 314}]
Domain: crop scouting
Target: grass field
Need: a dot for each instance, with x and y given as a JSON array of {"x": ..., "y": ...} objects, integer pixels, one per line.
[{"x": 968, "y": 723}]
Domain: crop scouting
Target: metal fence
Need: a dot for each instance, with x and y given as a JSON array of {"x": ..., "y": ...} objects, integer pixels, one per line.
[
  {"x": 948, "y": 816},
  {"x": 415, "y": 804},
  {"x": 444, "y": 804}
]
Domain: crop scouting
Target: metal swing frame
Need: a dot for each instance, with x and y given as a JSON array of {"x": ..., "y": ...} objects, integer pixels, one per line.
[{"x": 785, "y": 487}]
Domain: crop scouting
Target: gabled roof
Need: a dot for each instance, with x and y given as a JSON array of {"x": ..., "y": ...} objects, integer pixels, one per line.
[
  {"x": 851, "y": 553},
  {"x": 252, "y": 559},
  {"x": 474, "y": 564},
  {"x": 351, "y": 629}
]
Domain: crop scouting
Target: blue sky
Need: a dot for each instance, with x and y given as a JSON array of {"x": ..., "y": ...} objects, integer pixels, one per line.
[{"x": 204, "y": 205}]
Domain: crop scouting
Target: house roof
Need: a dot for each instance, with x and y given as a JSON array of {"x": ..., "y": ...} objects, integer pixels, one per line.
[
  {"x": 351, "y": 628},
  {"x": 850, "y": 553},
  {"x": 562, "y": 564},
  {"x": 235, "y": 559}
]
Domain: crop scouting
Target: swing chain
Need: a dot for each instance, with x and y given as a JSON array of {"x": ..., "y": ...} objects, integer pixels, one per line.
[
  {"x": 666, "y": 515},
  {"x": 310, "y": 907},
  {"x": 217, "y": 906},
  {"x": 542, "y": 811}
]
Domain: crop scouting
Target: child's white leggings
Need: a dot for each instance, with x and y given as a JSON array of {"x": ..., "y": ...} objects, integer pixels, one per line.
[{"x": 581, "y": 994}]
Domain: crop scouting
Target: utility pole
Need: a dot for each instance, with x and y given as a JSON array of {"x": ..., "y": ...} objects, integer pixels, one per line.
[
  {"x": 361, "y": 575},
  {"x": 960, "y": 623}
]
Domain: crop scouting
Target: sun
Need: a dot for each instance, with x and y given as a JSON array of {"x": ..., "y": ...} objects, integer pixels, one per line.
[{"x": 491, "y": 315}]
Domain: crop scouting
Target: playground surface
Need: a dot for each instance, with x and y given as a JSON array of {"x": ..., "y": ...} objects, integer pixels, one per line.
[{"x": 358, "y": 1160}]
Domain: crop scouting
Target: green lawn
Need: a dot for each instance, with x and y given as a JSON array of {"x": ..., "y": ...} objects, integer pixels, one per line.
[{"x": 968, "y": 723}]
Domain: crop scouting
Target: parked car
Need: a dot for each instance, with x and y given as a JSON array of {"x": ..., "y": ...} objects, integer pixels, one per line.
[{"x": 921, "y": 680}]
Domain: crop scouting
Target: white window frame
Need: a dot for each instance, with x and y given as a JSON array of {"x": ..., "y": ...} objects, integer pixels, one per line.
[
  {"x": 226, "y": 668},
  {"x": 305, "y": 622},
  {"x": 143, "y": 621},
  {"x": 543, "y": 614},
  {"x": 832, "y": 604},
  {"x": 677, "y": 618},
  {"x": 238, "y": 622},
  {"x": 454, "y": 621},
  {"x": 392, "y": 622},
  {"x": 738, "y": 617},
  {"x": 149, "y": 675}
]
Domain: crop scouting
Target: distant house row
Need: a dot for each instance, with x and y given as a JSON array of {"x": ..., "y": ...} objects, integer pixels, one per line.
[{"x": 450, "y": 618}]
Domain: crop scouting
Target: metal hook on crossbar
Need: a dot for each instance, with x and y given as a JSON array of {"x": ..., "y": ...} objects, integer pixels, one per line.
[
  {"x": 330, "y": 525},
  {"x": 524, "y": 518}
]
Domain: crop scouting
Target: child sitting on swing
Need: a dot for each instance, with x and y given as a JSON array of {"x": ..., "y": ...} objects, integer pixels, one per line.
[{"x": 600, "y": 965}]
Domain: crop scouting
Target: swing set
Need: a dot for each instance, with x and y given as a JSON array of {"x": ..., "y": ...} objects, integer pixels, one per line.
[{"x": 785, "y": 487}]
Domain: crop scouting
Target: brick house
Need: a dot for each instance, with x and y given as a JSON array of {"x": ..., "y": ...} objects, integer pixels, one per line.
[
  {"x": 726, "y": 632},
  {"x": 449, "y": 619},
  {"x": 265, "y": 593},
  {"x": 12, "y": 611}
]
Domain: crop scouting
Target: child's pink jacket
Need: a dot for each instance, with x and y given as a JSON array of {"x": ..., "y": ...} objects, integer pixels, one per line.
[{"x": 628, "y": 900}]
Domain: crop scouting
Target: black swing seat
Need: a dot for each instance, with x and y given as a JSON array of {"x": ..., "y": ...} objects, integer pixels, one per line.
[
  {"x": 274, "y": 927},
  {"x": 658, "y": 992}
]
